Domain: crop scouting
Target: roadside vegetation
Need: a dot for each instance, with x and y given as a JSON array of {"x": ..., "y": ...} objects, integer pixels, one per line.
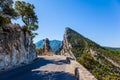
[{"x": 98, "y": 65}]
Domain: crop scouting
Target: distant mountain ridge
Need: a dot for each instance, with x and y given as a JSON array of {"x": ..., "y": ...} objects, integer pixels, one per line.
[
  {"x": 113, "y": 48},
  {"x": 55, "y": 44},
  {"x": 102, "y": 62}
]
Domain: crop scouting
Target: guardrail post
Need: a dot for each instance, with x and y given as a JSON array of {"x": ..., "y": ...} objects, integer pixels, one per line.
[{"x": 77, "y": 74}]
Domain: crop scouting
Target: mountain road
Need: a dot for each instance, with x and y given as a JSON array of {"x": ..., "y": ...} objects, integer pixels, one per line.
[{"x": 44, "y": 68}]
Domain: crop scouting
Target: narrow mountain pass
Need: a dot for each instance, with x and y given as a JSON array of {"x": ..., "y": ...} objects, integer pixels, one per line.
[{"x": 45, "y": 68}]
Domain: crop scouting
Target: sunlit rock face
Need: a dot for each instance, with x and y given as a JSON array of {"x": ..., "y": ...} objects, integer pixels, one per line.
[
  {"x": 66, "y": 46},
  {"x": 16, "y": 46},
  {"x": 46, "y": 46},
  {"x": 45, "y": 49}
]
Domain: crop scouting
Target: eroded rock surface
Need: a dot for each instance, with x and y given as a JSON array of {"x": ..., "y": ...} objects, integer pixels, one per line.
[
  {"x": 16, "y": 46},
  {"x": 46, "y": 49},
  {"x": 66, "y": 46}
]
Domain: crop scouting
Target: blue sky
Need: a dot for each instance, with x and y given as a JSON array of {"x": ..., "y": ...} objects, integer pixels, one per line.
[{"x": 98, "y": 20}]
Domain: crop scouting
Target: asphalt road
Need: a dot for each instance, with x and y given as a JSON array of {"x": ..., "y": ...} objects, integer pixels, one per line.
[{"x": 45, "y": 68}]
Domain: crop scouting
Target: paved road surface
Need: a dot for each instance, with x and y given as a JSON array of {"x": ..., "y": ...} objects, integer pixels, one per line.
[{"x": 45, "y": 68}]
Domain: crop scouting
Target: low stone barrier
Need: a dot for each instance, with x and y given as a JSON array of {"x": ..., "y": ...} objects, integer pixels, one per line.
[{"x": 81, "y": 72}]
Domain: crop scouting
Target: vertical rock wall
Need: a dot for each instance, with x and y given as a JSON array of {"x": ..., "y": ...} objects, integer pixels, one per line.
[
  {"x": 16, "y": 46},
  {"x": 66, "y": 46}
]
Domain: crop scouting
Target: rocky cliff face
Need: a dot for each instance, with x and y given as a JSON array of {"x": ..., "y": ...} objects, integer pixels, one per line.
[
  {"x": 16, "y": 46},
  {"x": 66, "y": 46},
  {"x": 101, "y": 62},
  {"x": 45, "y": 49},
  {"x": 46, "y": 46}
]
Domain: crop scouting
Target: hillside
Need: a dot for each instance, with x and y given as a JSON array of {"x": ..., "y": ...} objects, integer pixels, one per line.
[
  {"x": 102, "y": 62},
  {"x": 54, "y": 44}
]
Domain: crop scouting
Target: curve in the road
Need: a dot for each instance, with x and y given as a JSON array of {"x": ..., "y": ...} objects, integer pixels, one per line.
[{"x": 45, "y": 68}]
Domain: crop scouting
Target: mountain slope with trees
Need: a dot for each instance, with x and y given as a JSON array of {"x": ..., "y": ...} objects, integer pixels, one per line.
[{"x": 103, "y": 63}]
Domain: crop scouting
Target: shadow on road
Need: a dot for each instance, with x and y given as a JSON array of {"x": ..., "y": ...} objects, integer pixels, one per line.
[
  {"x": 26, "y": 73},
  {"x": 60, "y": 62},
  {"x": 45, "y": 75}
]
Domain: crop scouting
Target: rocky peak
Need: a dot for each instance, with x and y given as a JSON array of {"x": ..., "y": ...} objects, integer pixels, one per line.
[
  {"x": 46, "y": 45},
  {"x": 45, "y": 49},
  {"x": 66, "y": 46},
  {"x": 88, "y": 53}
]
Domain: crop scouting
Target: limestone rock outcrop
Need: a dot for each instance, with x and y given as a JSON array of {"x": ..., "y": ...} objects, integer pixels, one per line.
[
  {"x": 46, "y": 46},
  {"x": 45, "y": 49},
  {"x": 66, "y": 46},
  {"x": 16, "y": 46}
]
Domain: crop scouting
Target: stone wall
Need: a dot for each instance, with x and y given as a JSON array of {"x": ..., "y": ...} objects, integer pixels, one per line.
[
  {"x": 81, "y": 72},
  {"x": 16, "y": 47}
]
